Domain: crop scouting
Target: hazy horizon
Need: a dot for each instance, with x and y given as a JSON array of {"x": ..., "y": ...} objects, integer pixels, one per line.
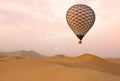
[{"x": 40, "y": 25}]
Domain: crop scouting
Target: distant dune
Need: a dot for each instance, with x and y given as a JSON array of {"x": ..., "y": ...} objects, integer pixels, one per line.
[
  {"x": 86, "y": 67},
  {"x": 19, "y": 55}
]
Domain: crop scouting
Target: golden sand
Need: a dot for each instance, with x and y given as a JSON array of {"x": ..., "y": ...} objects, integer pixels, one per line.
[{"x": 59, "y": 68}]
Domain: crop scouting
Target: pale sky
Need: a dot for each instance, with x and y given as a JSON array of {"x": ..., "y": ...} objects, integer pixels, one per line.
[{"x": 40, "y": 25}]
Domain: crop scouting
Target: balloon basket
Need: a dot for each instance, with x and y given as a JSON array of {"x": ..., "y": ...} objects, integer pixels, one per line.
[{"x": 80, "y": 42}]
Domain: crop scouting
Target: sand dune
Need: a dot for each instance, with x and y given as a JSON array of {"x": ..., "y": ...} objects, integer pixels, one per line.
[
  {"x": 114, "y": 60},
  {"x": 60, "y": 68},
  {"x": 22, "y": 54},
  {"x": 89, "y": 61},
  {"x": 17, "y": 55},
  {"x": 9, "y": 58}
]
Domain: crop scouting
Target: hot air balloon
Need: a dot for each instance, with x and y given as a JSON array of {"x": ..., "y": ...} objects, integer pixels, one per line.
[{"x": 80, "y": 19}]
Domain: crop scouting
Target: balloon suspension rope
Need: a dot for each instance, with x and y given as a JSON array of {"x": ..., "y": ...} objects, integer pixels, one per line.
[{"x": 80, "y": 42}]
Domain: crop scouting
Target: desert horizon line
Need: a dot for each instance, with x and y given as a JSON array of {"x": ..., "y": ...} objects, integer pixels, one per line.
[{"x": 57, "y": 54}]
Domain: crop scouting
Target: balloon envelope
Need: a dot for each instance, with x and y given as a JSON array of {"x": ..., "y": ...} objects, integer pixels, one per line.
[{"x": 80, "y": 19}]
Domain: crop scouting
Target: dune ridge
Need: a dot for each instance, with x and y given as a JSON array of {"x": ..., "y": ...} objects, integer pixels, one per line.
[{"x": 22, "y": 54}]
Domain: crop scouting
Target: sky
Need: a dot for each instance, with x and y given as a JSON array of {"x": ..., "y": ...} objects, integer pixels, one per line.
[{"x": 40, "y": 25}]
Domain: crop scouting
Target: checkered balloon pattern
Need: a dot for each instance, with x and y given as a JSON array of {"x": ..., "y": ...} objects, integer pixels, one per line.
[{"x": 80, "y": 18}]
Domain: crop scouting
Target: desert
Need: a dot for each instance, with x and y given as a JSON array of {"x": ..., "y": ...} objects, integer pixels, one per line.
[{"x": 33, "y": 67}]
